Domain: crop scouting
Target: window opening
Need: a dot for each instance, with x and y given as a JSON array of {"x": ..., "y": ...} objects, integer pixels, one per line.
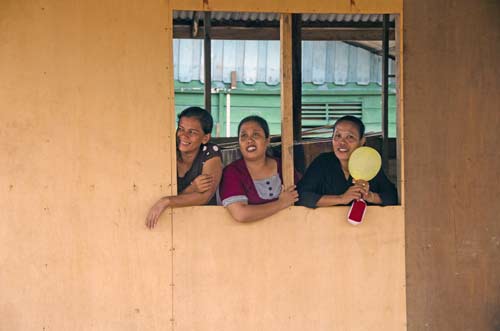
[{"x": 339, "y": 61}]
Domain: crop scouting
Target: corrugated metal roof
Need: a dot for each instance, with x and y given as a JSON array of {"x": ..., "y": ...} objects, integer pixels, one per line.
[
  {"x": 270, "y": 17},
  {"x": 344, "y": 18},
  {"x": 259, "y": 61}
]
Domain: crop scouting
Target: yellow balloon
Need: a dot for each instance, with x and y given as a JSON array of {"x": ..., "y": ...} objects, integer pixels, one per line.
[{"x": 364, "y": 163}]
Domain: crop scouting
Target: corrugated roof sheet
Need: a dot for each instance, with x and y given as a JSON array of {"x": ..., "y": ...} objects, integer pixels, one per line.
[
  {"x": 259, "y": 61},
  {"x": 243, "y": 16}
]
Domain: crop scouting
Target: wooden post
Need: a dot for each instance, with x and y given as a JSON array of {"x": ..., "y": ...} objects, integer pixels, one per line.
[
  {"x": 207, "y": 48},
  {"x": 399, "y": 117},
  {"x": 286, "y": 99},
  {"x": 297, "y": 76},
  {"x": 385, "y": 94},
  {"x": 172, "y": 125}
]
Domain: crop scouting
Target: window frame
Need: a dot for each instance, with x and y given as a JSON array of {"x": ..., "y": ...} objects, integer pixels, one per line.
[{"x": 276, "y": 6}]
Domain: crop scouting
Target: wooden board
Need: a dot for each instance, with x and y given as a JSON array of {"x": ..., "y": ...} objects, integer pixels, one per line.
[
  {"x": 294, "y": 6},
  {"x": 84, "y": 154},
  {"x": 286, "y": 99},
  {"x": 301, "y": 269},
  {"x": 452, "y": 163},
  {"x": 87, "y": 145}
]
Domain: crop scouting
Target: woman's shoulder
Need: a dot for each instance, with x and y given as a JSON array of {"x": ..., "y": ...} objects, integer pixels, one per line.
[
  {"x": 325, "y": 157},
  {"x": 210, "y": 150},
  {"x": 236, "y": 166}
]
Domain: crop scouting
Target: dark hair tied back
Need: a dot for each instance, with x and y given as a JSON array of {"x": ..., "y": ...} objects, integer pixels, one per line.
[
  {"x": 206, "y": 121},
  {"x": 354, "y": 120},
  {"x": 257, "y": 119}
]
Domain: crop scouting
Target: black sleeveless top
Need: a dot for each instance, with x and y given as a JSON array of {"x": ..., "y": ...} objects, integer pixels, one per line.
[{"x": 206, "y": 152}]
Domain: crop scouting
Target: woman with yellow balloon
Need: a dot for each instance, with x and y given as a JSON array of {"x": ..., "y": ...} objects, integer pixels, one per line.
[{"x": 330, "y": 180}]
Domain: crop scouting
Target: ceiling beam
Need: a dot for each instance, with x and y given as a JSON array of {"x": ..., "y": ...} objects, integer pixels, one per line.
[{"x": 273, "y": 33}]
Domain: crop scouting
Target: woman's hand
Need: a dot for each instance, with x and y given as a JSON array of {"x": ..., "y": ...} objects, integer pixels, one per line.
[
  {"x": 354, "y": 192},
  {"x": 202, "y": 183},
  {"x": 288, "y": 196},
  {"x": 156, "y": 211},
  {"x": 365, "y": 187},
  {"x": 360, "y": 190},
  {"x": 366, "y": 194}
]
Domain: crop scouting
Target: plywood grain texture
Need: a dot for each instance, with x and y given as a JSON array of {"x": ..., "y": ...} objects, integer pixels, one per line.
[
  {"x": 298, "y": 270},
  {"x": 84, "y": 153},
  {"x": 294, "y": 6},
  {"x": 86, "y": 146},
  {"x": 452, "y": 160}
]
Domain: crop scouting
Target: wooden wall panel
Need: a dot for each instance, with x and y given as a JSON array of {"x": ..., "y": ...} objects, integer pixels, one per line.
[
  {"x": 301, "y": 269},
  {"x": 294, "y": 6},
  {"x": 452, "y": 164},
  {"x": 84, "y": 152}
]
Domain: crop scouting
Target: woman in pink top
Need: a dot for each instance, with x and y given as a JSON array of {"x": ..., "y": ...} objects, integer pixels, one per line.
[{"x": 251, "y": 187}]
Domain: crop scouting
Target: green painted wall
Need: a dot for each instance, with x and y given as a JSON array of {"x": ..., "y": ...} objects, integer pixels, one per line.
[{"x": 261, "y": 99}]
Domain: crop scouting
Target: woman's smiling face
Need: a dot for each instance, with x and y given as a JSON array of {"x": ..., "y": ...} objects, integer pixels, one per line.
[
  {"x": 253, "y": 141},
  {"x": 190, "y": 135},
  {"x": 346, "y": 139}
]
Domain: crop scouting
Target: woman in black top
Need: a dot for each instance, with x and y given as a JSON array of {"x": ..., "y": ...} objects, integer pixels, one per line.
[
  {"x": 199, "y": 165},
  {"x": 327, "y": 181}
]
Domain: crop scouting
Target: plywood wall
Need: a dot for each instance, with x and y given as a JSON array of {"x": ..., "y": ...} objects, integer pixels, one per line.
[
  {"x": 293, "y": 6},
  {"x": 302, "y": 269},
  {"x": 84, "y": 151},
  {"x": 85, "y": 146},
  {"x": 452, "y": 163}
]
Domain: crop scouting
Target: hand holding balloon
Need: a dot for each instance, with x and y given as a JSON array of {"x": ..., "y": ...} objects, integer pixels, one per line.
[
  {"x": 364, "y": 164},
  {"x": 354, "y": 192},
  {"x": 364, "y": 188}
]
